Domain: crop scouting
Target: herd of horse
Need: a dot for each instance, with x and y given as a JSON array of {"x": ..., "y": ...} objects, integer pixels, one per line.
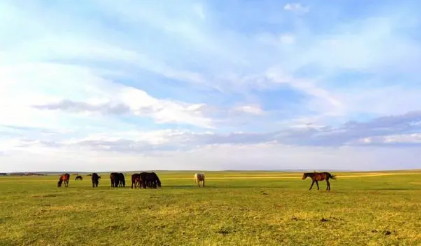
[
  {"x": 145, "y": 179},
  {"x": 151, "y": 180},
  {"x": 139, "y": 180}
]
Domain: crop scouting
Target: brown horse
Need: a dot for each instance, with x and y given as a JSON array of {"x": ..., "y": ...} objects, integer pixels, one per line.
[
  {"x": 64, "y": 178},
  {"x": 136, "y": 180},
  {"x": 316, "y": 177},
  {"x": 79, "y": 177}
]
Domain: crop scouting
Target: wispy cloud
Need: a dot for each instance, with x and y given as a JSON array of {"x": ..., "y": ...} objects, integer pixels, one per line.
[
  {"x": 200, "y": 80},
  {"x": 296, "y": 8}
]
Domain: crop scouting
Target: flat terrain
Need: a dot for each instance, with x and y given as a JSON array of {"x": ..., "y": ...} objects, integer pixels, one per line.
[{"x": 236, "y": 208}]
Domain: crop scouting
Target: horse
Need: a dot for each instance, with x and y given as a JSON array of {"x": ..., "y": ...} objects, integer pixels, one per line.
[
  {"x": 199, "y": 177},
  {"x": 95, "y": 179},
  {"x": 156, "y": 181},
  {"x": 150, "y": 180},
  {"x": 121, "y": 180},
  {"x": 114, "y": 178},
  {"x": 64, "y": 178},
  {"x": 316, "y": 177},
  {"x": 79, "y": 177},
  {"x": 117, "y": 180},
  {"x": 144, "y": 176},
  {"x": 136, "y": 180}
]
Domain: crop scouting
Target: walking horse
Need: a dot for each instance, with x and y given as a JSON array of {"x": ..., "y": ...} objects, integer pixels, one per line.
[{"x": 316, "y": 177}]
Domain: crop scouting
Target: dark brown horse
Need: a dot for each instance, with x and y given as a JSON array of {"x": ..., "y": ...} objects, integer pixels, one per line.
[
  {"x": 136, "y": 180},
  {"x": 95, "y": 179},
  {"x": 64, "y": 178},
  {"x": 117, "y": 180},
  {"x": 316, "y": 177},
  {"x": 150, "y": 180},
  {"x": 79, "y": 177},
  {"x": 157, "y": 182}
]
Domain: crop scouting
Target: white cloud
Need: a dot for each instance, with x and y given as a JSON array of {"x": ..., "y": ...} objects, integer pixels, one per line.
[
  {"x": 48, "y": 86},
  {"x": 398, "y": 139},
  {"x": 296, "y": 8},
  {"x": 251, "y": 109},
  {"x": 287, "y": 39}
]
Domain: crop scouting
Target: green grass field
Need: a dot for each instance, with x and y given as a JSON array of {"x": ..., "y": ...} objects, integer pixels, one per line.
[{"x": 236, "y": 208}]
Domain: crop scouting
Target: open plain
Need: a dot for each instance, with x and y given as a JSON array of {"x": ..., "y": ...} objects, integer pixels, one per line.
[{"x": 235, "y": 208}]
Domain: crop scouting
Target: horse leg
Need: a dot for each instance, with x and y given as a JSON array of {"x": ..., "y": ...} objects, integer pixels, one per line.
[
  {"x": 328, "y": 184},
  {"x": 203, "y": 182},
  {"x": 312, "y": 183},
  {"x": 317, "y": 183}
]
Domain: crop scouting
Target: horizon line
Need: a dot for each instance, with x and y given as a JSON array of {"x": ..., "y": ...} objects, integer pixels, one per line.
[{"x": 227, "y": 170}]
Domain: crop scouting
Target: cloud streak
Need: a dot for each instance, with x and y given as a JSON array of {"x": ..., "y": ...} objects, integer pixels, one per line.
[{"x": 378, "y": 131}]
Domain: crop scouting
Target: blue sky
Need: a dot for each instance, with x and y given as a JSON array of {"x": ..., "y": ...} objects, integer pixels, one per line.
[{"x": 104, "y": 85}]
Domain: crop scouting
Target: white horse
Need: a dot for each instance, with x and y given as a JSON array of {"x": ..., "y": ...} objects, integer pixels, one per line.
[{"x": 199, "y": 177}]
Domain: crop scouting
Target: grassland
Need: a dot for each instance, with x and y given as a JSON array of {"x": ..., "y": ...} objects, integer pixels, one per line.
[{"x": 236, "y": 208}]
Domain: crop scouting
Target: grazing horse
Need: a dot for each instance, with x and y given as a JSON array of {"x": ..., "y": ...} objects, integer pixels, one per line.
[
  {"x": 95, "y": 179},
  {"x": 117, "y": 180},
  {"x": 136, "y": 180},
  {"x": 199, "y": 177},
  {"x": 316, "y": 177},
  {"x": 144, "y": 179},
  {"x": 150, "y": 180},
  {"x": 121, "y": 180},
  {"x": 155, "y": 179},
  {"x": 64, "y": 178},
  {"x": 113, "y": 177},
  {"x": 79, "y": 177}
]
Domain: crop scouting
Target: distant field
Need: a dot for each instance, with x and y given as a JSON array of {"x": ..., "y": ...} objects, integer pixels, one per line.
[{"x": 236, "y": 208}]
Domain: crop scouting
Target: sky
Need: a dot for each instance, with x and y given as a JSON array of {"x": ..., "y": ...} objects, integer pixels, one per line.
[{"x": 104, "y": 85}]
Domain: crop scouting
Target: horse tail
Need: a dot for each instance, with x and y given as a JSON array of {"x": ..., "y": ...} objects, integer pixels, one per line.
[{"x": 332, "y": 176}]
